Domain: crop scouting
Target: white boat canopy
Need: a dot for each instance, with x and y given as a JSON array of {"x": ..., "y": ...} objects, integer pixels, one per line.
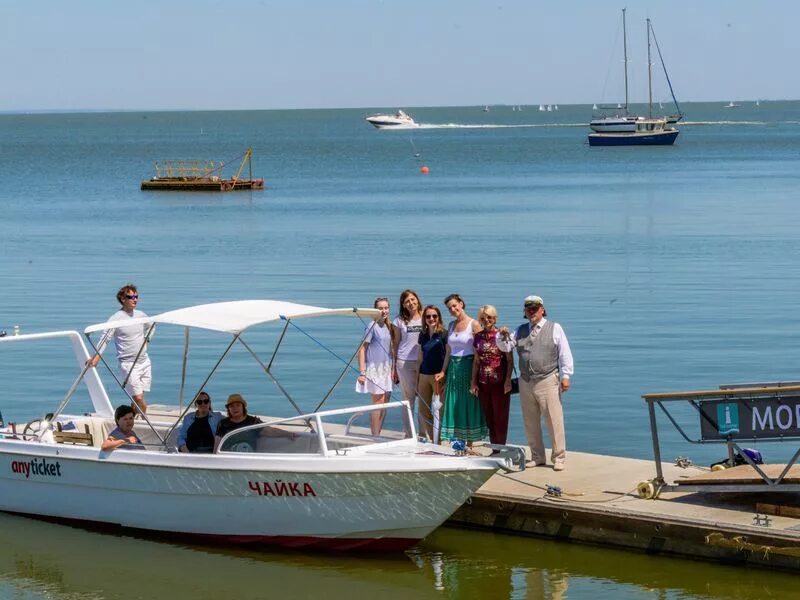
[{"x": 236, "y": 317}]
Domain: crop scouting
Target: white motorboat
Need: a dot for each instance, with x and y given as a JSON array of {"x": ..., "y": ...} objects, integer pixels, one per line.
[
  {"x": 732, "y": 104},
  {"x": 399, "y": 120},
  {"x": 319, "y": 479}
]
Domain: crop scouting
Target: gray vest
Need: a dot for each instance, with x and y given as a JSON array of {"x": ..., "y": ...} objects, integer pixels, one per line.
[{"x": 538, "y": 355}]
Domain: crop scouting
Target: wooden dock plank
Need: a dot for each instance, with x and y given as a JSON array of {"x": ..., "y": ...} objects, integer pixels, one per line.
[
  {"x": 599, "y": 505},
  {"x": 742, "y": 474}
]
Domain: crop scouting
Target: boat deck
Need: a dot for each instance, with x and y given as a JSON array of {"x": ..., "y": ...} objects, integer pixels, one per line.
[
  {"x": 200, "y": 185},
  {"x": 599, "y": 504}
]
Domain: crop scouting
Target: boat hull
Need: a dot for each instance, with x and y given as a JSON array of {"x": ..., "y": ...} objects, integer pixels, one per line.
[
  {"x": 300, "y": 503},
  {"x": 658, "y": 138},
  {"x": 391, "y": 124}
]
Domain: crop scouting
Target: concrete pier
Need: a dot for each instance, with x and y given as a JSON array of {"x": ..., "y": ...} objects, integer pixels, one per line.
[{"x": 599, "y": 504}]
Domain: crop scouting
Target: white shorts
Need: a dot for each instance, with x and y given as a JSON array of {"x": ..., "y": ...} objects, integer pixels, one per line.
[{"x": 139, "y": 379}]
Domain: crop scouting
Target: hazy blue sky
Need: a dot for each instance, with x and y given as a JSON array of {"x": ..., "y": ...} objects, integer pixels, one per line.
[{"x": 214, "y": 54}]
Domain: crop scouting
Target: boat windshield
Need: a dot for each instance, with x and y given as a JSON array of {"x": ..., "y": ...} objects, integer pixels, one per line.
[{"x": 328, "y": 433}]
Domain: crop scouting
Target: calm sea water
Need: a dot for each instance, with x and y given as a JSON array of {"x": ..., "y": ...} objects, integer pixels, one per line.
[{"x": 669, "y": 268}]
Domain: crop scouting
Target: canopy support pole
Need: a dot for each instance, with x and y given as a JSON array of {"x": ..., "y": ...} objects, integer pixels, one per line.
[
  {"x": 122, "y": 384},
  {"x": 202, "y": 386},
  {"x": 63, "y": 404},
  {"x": 278, "y": 345},
  {"x": 272, "y": 378},
  {"x": 183, "y": 369},
  {"x": 347, "y": 367}
]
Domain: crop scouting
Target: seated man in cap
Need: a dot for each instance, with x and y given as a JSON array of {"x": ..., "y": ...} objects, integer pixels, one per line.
[
  {"x": 545, "y": 368},
  {"x": 238, "y": 418}
]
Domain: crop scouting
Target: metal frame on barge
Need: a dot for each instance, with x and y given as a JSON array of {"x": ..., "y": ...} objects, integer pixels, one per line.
[{"x": 201, "y": 176}]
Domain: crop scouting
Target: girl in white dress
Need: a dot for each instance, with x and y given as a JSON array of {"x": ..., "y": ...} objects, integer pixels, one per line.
[{"x": 375, "y": 362}]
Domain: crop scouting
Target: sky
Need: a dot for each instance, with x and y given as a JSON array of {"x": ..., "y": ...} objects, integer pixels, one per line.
[{"x": 269, "y": 54}]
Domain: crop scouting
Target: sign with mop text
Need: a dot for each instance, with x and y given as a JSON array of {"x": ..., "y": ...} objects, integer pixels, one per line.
[{"x": 750, "y": 418}]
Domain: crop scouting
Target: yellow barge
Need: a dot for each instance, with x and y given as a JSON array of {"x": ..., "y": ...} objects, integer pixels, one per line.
[{"x": 201, "y": 175}]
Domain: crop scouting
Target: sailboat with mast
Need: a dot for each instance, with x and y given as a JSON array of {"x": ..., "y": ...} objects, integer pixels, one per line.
[{"x": 625, "y": 129}]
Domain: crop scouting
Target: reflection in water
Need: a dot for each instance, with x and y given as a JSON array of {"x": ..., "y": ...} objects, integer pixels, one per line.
[
  {"x": 468, "y": 564},
  {"x": 43, "y": 560}
]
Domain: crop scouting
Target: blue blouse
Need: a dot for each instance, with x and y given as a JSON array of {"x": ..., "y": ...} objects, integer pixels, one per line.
[{"x": 433, "y": 351}]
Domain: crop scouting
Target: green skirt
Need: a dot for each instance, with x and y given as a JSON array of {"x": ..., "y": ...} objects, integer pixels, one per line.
[{"x": 463, "y": 418}]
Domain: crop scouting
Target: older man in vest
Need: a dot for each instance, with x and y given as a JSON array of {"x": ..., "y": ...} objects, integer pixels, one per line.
[{"x": 545, "y": 369}]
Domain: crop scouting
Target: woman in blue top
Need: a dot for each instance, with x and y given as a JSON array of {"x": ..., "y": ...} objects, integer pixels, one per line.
[
  {"x": 432, "y": 344},
  {"x": 198, "y": 428}
]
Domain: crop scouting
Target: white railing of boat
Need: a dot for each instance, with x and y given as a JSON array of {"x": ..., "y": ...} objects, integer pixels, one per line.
[
  {"x": 97, "y": 392},
  {"x": 318, "y": 417}
]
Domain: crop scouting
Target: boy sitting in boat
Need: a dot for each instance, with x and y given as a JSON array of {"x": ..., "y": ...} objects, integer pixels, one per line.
[{"x": 123, "y": 436}]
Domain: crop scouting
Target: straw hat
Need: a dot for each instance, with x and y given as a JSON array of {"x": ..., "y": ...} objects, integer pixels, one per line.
[{"x": 234, "y": 398}]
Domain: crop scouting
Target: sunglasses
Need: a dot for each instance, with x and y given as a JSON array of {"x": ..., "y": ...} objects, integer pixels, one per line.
[
  {"x": 202, "y": 401},
  {"x": 132, "y": 296},
  {"x": 431, "y": 317},
  {"x": 489, "y": 317},
  {"x": 533, "y": 307}
]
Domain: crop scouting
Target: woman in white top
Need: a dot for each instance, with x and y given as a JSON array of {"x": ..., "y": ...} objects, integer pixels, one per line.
[
  {"x": 463, "y": 418},
  {"x": 408, "y": 326},
  {"x": 375, "y": 359}
]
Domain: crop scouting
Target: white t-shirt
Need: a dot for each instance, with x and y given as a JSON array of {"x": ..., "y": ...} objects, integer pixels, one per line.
[
  {"x": 408, "y": 348},
  {"x": 128, "y": 340}
]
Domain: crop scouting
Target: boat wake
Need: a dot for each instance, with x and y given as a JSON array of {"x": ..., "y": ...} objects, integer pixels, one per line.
[
  {"x": 723, "y": 123},
  {"x": 418, "y": 126},
  {"x": 494, "y": 126}
]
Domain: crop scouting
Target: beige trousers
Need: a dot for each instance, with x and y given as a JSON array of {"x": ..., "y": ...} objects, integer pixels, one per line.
[
  {"x": 427, "y": 388},
  {"x": 407, "y": 374},
  {"x": 542, "y": 399}
]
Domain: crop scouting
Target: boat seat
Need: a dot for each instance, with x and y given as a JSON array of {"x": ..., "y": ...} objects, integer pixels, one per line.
[{"x": 76, "y": 437}]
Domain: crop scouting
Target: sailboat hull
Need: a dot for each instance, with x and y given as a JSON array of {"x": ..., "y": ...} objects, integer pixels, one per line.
[{"x": 656, "y": 138}]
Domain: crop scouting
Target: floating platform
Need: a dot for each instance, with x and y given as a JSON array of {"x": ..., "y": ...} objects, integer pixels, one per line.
[
  {"x": 595, "y": 501},
  {"x": 201, "y": 184},
  {"x": 202, "y": 176}
]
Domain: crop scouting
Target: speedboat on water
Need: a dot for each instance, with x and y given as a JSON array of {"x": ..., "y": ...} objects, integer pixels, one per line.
[
  {"x": 399, "y": 120},
  {"x": 313, "y": 479}
]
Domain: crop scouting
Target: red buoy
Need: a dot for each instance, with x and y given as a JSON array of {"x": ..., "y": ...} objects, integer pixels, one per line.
[{"x": 424, "y": 170}]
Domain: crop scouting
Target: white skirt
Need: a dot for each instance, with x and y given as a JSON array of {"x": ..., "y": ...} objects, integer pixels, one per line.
[{"x": 378, "y": 379}]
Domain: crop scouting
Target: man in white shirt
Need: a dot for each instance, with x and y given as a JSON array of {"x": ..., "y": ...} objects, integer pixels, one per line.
[
  {"x": 545, "y": 368},
  {"x": 130, "y": 344}
]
